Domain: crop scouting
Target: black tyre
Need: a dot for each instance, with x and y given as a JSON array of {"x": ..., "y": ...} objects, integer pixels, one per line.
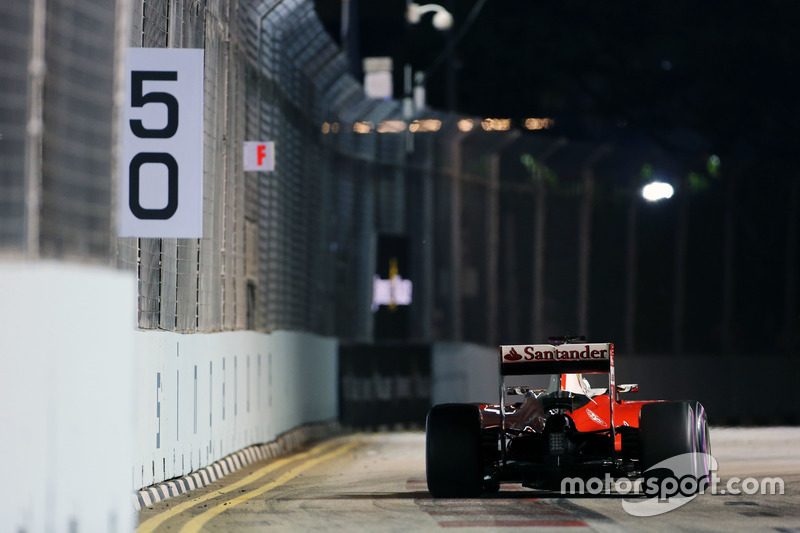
[
  {"x": 703, "y": 445},
  {"x": 675, "y": 433},
  {"x": 453, "y": 451}
]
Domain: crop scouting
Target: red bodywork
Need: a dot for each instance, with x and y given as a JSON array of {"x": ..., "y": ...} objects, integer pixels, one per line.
[
  {"x": 596, "y": 415},
  {"x": 593, "y": 412}
]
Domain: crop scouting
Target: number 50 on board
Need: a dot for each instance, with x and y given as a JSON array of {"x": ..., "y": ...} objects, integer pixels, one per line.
[{"x": 160, "y": 191}]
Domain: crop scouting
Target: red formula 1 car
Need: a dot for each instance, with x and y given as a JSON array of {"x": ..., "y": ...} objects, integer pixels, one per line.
[{"x": 540, "y": 437}]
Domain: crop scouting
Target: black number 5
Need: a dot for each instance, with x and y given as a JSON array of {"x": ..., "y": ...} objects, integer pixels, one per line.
[{"x": 140, "y": 99}]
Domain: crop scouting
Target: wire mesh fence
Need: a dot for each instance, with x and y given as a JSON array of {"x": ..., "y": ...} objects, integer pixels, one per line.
[
  {"x": 17, "y": 109},
  {"x": 56, "y": 120},
  {"x": 510, "y": 236}
]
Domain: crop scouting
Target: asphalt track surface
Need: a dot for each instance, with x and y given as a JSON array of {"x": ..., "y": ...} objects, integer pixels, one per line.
[{"x": 376, "y": 483}]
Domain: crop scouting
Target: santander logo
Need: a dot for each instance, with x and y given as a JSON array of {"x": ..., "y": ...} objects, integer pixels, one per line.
[{"x": 512, "y": 355}]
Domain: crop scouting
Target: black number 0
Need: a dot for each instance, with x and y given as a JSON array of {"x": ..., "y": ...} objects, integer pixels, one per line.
[
  {"x": 172, "y": 186},
  {"x": 139, "y": 99}
]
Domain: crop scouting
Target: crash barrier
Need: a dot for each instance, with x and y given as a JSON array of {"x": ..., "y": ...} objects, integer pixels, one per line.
[
  {"x": 67, "y": 390},
  {"x": 202, "y": 397},
  {"x": 384, "y": 385},
  {"x": 394, "y": 384},
  {"x": 464, "y": 373},
  {"x": 285, "y": 443},
  {"x": 94, "y": 414},
  {"x": 736, "y": 390}
]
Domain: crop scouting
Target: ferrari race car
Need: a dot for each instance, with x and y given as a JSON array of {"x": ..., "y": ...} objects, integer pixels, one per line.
[{"x": 540, "y": 437}]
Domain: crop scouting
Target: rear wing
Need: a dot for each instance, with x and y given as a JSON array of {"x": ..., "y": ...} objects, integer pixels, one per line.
[{"x": 568, "y": 358}]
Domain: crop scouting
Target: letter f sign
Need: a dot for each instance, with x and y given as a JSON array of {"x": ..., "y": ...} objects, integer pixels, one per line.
[{"x": 259, "y": 156}]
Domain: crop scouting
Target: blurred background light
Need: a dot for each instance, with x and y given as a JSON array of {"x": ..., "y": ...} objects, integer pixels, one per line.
[
  {"x": 657, "y": 190},
  {"x": 362, "y": 127},
  {"x": 496, "y": 124},
  {"x": 539, "y": 123},
  {"x": 391, "y": 126},
  {"x": 465, "y": 125},
  {"x": 425, "y": 125}
]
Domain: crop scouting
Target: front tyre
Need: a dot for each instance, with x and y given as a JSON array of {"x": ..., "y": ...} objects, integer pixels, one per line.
[{"x": 453, "y": 451}]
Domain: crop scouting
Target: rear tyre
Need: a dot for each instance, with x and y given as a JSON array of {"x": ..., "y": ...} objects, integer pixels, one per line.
[
  {"x": 453, "y": 451},
  {"x": 674, "y": 439},
  {"x": 703, "y": 446}
]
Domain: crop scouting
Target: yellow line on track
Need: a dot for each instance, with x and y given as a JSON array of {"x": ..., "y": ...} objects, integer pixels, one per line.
[
  {"x": 150, "y": 525},
  {"x": 195, "y": 524}
]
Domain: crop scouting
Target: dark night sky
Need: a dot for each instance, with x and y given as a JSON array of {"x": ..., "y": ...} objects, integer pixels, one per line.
[
  {"x": 697, "y": 77},
  {"x": 689, "y": 78}
]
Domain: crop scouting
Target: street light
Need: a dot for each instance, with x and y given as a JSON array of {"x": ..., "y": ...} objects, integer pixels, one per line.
[
  {"x": 657, "y": 190},
  {"x": 442, "y": 19}
]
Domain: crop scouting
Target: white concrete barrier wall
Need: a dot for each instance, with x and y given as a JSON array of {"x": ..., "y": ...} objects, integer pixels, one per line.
[
  {"x": 66, "y": 390},
  {"x": 93, "y": 409},
  {"x": 204, "y": 396},
  {"x": 464, "y": 373}
]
